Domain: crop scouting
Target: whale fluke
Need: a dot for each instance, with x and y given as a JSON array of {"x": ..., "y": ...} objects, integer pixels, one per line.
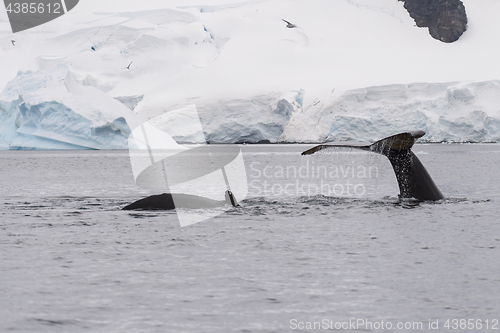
[{"x": 413, "y": 179}]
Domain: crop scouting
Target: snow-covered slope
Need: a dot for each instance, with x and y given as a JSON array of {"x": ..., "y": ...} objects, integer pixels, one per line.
[{"x": 347, "y": 71}]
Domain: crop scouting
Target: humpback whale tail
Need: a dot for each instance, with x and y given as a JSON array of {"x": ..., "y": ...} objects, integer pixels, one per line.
[{"x": 413, "y": 179}]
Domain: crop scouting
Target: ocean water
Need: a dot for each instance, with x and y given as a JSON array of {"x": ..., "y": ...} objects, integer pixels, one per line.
[{"x": 321, "y": 242}]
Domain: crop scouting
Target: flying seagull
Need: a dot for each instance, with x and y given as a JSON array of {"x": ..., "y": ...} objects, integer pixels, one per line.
[
  {"x": 13, "y": 42},
  {"x": 289, "y": 25},
  {"x": 128, "y": 67}
]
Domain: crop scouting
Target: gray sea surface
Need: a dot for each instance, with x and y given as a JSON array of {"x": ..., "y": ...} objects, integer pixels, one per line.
[{"x": 321, "y": 242}]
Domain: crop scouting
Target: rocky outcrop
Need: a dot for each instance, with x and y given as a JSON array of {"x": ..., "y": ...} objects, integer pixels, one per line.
[{"x": 446, "y": 19}]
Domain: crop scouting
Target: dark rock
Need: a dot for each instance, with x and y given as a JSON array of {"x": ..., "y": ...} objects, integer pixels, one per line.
[{"x": 446, "y": 19}]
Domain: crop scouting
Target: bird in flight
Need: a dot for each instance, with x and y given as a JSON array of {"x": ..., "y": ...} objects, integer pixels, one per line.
[{"x": 289, "y": 25}]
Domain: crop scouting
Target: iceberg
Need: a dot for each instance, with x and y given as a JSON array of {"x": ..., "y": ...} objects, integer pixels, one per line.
[{"x": 48, "y": 109}]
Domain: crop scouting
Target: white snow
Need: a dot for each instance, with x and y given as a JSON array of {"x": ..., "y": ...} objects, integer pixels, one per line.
[{"x": 352, "y": 69}]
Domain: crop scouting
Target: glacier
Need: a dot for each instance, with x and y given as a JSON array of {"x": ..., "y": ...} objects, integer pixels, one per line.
[
  {"x": 448, "y": 112},
  {"x": 255, "y": 119},
  {"x": 356, "y": 69}
]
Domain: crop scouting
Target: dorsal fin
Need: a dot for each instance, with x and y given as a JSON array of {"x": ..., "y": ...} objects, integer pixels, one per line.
[{"x": 230, "y": 199}]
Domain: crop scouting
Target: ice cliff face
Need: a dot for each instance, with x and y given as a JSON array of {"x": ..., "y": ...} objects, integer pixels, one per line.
[
  {"x": 448, "y": 112},
  {"x": 53, "y": 111},
  {"x": 259, "y": 119},
  {"x": 451, "y": 112},
  {"x": 48, "y": 109}
]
